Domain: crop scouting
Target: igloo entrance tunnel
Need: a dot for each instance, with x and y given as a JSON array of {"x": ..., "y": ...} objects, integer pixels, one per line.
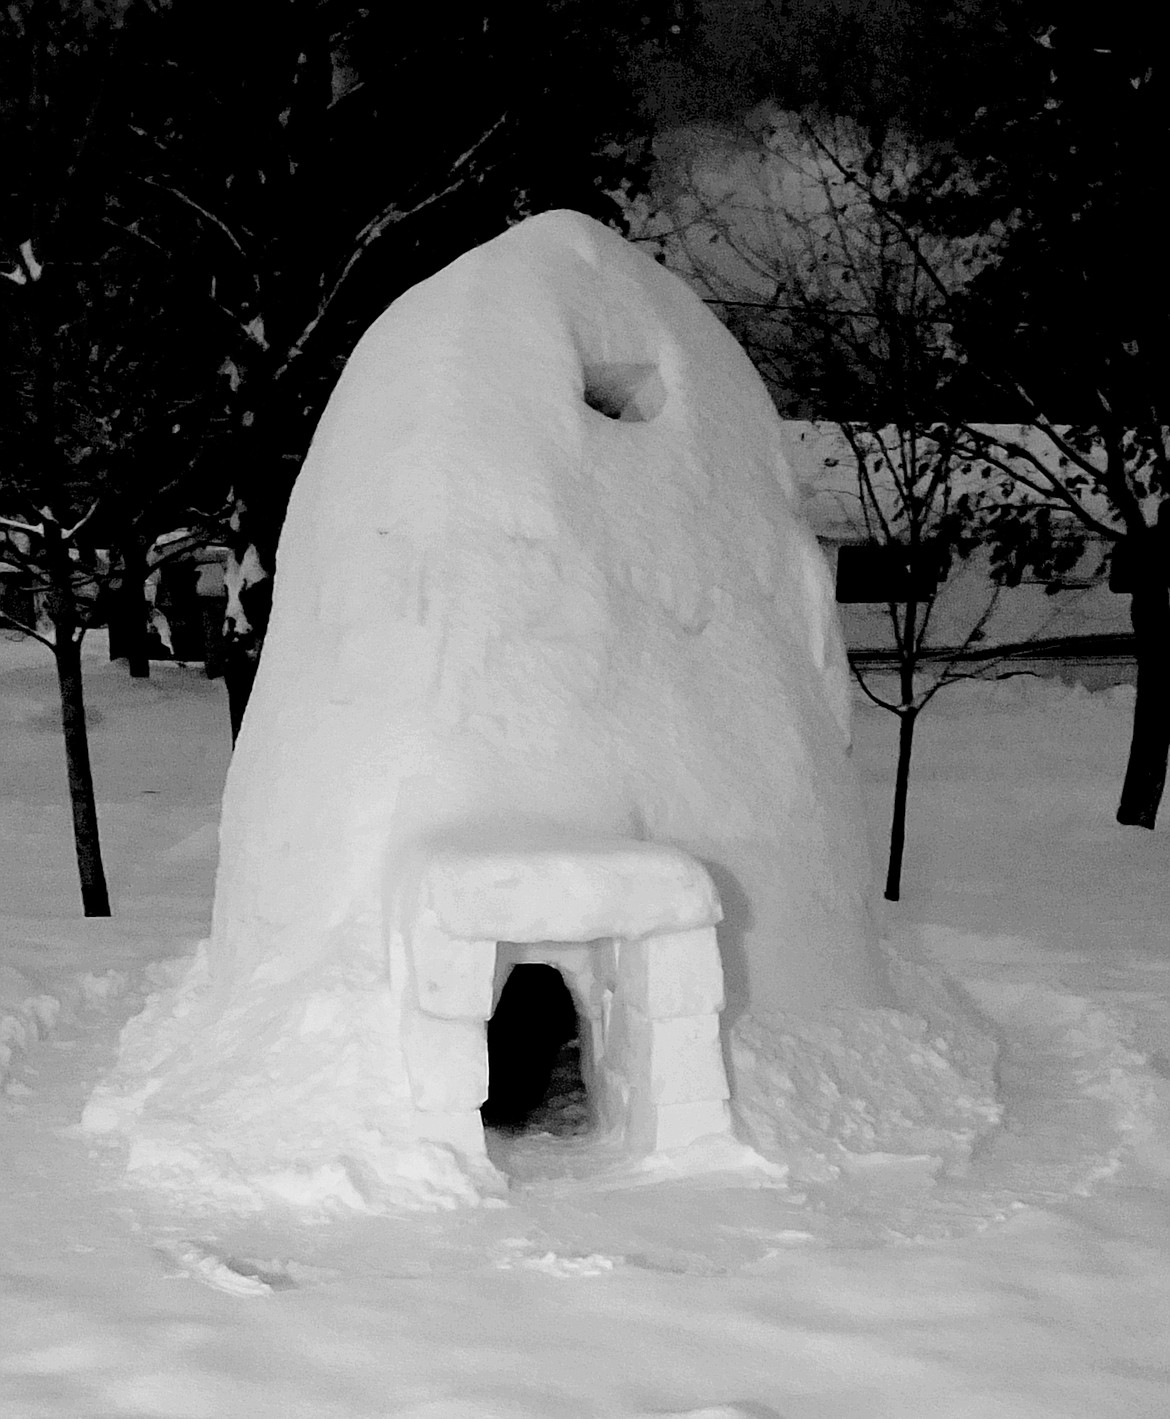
[
  {"x": 631, "y": 928},
  {"x": 553, "y": 661}
]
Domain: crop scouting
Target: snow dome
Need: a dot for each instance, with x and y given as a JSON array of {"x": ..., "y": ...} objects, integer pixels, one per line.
[{"x": 553, "y": 676}]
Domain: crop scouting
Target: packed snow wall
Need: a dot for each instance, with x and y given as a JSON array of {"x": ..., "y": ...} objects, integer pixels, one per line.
[{"x": 542, "y": 583}]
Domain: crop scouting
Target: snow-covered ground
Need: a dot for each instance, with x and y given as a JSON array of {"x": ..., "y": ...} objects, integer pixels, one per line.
[{"x": 1035, "y": 1285}]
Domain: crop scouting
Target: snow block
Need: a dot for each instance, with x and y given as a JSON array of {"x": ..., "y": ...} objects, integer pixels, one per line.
[
  {"x": 460, "y": 1130},
  {"x": 446, "y": 1061},
  {"x": 584, "y": 888},
  {"x": 669, "y": 1061},
  {"x": 660, "y": 1128},
  {"x": 547, "y": 622},
  {"x": 675, "y": 974},
  {"x": 453, "y": 977}
]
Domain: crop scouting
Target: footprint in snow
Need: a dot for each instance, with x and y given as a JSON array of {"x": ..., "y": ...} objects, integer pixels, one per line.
[{"x": 238, "y": 1276}]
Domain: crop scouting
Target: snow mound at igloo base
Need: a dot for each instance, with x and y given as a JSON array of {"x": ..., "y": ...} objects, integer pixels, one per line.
[{"x": 873, "y": 1125}]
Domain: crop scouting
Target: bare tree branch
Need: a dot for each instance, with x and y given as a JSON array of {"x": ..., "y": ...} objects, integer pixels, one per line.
[
  {"x": 370, "y": 234},
  {"x": 35, "y": 528},
  {"x": 204, "y": 212},
  {"x": 1052, "y": 485},
  {"x": 7, "y": 619},
  {"x": 67, "y": 534}
]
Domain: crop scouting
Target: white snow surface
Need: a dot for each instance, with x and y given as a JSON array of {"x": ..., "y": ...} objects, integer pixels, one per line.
[
  {"x": 995, "y": 1250},
  {"x": 498, "y": 610},
  {"x": 501, "y": 615}
]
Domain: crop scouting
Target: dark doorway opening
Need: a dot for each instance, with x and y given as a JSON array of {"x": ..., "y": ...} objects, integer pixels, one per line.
[{"x": 534, "y": 1059}]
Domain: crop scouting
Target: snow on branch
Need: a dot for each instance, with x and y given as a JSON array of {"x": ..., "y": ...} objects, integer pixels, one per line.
[
  {"x": 31, "y": 264},
  {"x": 36, "y": 529},
  {"x": 27, "y": 269},
  {"x": 67, "y": 533}
]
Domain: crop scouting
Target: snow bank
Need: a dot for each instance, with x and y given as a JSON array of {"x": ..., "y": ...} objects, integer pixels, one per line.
[
  {"x": 918, "y": 1083},
  {"x": 979, "y": 1098},
  {"x": 27, "y": 1014},
  {"x": 32, "y": 1009},
  {"x": 293, "y": 1099}
]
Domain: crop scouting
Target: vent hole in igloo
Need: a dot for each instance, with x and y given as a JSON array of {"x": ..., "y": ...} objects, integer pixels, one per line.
[
  {"x": 535, "y": 1083},
  {"x": 632, "y": 393}
]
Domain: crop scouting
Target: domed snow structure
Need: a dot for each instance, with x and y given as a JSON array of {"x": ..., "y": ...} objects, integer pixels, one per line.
[{"x": 553, "y": 675}]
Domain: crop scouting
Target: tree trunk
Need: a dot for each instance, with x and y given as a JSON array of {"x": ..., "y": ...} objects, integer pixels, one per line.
[
  {"x": 1149, "y": 748},
  {"x": 239, "y": 673},
  {"x": 248, "y": 582},
  {"x": 95, "y": 898},
  {"x": 906, "y": 721},
  {"x": 128, "y": 632}
]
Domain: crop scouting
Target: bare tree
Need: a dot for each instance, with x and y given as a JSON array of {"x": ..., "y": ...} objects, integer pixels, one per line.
[
  {"x": 1111, "y": 479},
  {"x": 915, "y": 527},
  {"x": 60, "y": 577},
  {"x": 1107, "y": 472},
  {"x": 834, "y": 250},
  {"x": 256, "y": 158},
  {"x": 98, "y": 423}
]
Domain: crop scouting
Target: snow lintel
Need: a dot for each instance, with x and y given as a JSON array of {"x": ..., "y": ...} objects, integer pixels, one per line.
[{"x": 576, "y": 891}]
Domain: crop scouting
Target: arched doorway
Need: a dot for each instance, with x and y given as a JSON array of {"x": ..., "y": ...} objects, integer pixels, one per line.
[
  {"x": 626, "y": 929},
  {"x": 534, "y": 1056}
]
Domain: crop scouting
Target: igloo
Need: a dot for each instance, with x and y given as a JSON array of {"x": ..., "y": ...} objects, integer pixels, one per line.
[{"x": 553, "y": 675}]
